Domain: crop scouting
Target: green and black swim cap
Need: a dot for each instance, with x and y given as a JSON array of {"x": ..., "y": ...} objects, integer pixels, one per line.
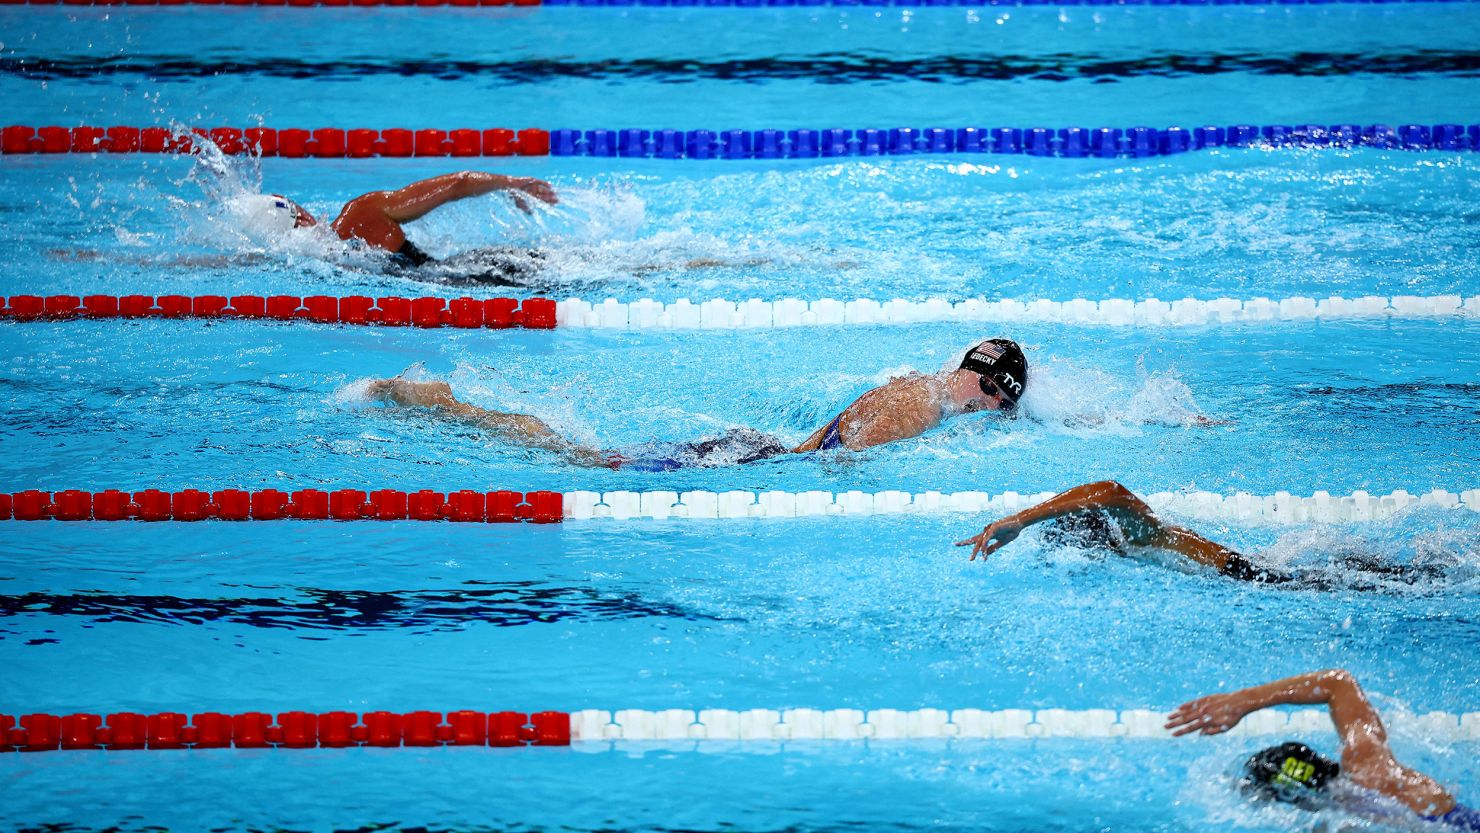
[
  {"x": 1291, "y": 772},
  {"x": 1002, "y": 361}
]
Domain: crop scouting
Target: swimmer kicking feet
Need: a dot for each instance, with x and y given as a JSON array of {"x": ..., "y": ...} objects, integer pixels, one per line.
[
  {"x": 992, "y": 377},
  {"x": 1368, "y": 776},
  {"x": 375, "y": 220},
  {"x": 1108, "y": 516}
]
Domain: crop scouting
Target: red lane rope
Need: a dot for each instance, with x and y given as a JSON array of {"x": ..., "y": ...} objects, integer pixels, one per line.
[
  {"x": 270, "y": 2},
  {"x": 467, "y": 505},
  {"x": 496, "y": 313},
  {"x": 324, "y": 142},
  {"x": 291, "y": 730}
]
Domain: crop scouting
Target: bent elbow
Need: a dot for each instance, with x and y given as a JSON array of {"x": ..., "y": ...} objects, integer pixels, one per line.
[
  {"x": 1112, "y": 491},
  {"x": 1339, "y": 679}
]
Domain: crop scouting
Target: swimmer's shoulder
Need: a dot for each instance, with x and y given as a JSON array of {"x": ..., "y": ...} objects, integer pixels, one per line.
[{"x": 364, "y": 218}]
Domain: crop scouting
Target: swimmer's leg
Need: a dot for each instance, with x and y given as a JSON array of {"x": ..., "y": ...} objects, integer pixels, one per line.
[{"x": 519, "y": 428}]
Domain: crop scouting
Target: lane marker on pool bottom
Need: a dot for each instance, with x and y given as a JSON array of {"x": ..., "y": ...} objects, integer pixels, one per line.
[
  {"x": 502, "y": 506},
  {"x": 722, "y": 314},
  {"x": 595, "y": 728}
]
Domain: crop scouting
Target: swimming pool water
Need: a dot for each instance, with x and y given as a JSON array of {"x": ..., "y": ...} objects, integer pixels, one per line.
[
  {"x": 1239, "y": 223},
  {"x": 871, "y": 612}
]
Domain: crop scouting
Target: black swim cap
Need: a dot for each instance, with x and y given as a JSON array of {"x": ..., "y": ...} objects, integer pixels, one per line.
[
  {"x": 1089, "y": 529},
  {"x": 1291, "y": 772},
  {"x": 1002, "y": 361}
]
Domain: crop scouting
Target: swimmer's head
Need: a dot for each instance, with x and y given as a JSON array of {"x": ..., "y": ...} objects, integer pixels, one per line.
[
  {"x": 1091, "y": 529},
  {"x": 267, "y": 215},
  {"x": 1291, "y": 772},
  {"x": 1003, "y": 370}
]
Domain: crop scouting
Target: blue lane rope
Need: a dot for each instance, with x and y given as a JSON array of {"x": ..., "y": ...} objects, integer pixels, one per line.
[{"x": 1067, "y": 142}]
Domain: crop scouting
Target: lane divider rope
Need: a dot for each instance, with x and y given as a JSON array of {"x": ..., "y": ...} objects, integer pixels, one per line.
[
  {"x": 292, "y": 143},
  {"x": 688, "y": 3},
  {"x": 1066, "y": 142},
  {"x": 496, "y": 313},
  {"x": 792, "y": 312},
  {"x": 475, "y": 506},
  {"x": 954, "y": 2},
  {"x": 465, "y": 505},
  {"x": 1278, "y": 508},
  {"x": 41, "y": 732},
  {"x": 291, "y": 730},
  {"x": 891, "y": 724},
  {"x": 312, "y": 2},
  {"x": 721, "y": 314}
]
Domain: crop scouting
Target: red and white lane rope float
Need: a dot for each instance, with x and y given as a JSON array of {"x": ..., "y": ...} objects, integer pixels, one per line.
[
  {"x": 721, "y": 314},
  {"x": 289, "y": 730},
  {"x": 594, "y": 729},
  {"x": 466, "y": 505},
  {"x": 321, "y": 143},
  {"x": 545, "y": 507},
  {"x": 495, "y": 313}
]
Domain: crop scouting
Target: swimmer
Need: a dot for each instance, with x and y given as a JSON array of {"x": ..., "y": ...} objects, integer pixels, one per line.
[
  {"x": 991, "y": 377},
  {"x": 375, "y": 220},
  {"x": 1296, "y": 774},
  {"x": 1108, "y": 516}
]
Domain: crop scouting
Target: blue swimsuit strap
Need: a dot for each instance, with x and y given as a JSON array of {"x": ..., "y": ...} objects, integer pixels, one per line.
[
  {"x": 832, "y": 438},
  {"x": 1461, "y": 817}
]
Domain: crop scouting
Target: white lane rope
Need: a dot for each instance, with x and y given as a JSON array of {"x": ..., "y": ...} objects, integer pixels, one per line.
[
  {"x": 721, "y": 314},
  {"x": 596, "y": 725},
  {"x": 1245, "y": 508}
]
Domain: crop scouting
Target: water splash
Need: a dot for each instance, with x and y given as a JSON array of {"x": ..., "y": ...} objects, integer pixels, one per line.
[{"x": 1068, "y": 397}]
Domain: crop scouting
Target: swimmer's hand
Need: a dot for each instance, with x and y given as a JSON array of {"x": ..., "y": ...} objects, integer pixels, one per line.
[
  {"x": 1211, "y": 715},
  {"x": 993, "y": 538},
  {"x": 537, "y": 188},
  {"x": 406, "y": 392}
]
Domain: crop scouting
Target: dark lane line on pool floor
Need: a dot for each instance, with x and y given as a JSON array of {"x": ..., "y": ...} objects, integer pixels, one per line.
[
  {"x": 828, "y": 68},
  {"x": 341, "y": 610}
]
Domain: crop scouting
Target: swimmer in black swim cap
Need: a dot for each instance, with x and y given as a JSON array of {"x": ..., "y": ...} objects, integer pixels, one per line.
[
  {"x": 375, "y": 219},
  {"x": 992, "y": 377},
  {"x": 1003, "y": 370},
  {"x": 1294, "y": 773},
  {"x": 1291, "y": 772}
]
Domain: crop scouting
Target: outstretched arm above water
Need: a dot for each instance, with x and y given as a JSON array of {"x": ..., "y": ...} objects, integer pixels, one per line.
[
  {"x": 376, "y": 217},
  {"x": 416, "y": 200},
  {"x": 1135, "y": 519},
  {"x": 1366, "y": 757},
  {"x": 519, "y": 428}
]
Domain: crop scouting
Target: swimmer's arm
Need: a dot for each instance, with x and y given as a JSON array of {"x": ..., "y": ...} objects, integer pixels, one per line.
[
  {"x": 1357, "y": 723},
  {"x": 1365, "y": 754},
  {"x": 1129, "y": 511},
  {"x": 520, "y": 428},
  {"x": 1135, "y": 519},
  {"x": 420, "y": 198}
]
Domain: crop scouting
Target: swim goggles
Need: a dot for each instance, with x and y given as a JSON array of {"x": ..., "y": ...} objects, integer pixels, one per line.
[{"x": 990, "y": 389}]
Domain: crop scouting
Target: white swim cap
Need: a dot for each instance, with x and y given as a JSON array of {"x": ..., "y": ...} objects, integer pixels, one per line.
[{"x": 262, "y": 216}]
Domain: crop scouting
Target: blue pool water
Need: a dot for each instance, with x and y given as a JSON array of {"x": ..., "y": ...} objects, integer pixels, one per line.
[{"x": 872, "y": 612}]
